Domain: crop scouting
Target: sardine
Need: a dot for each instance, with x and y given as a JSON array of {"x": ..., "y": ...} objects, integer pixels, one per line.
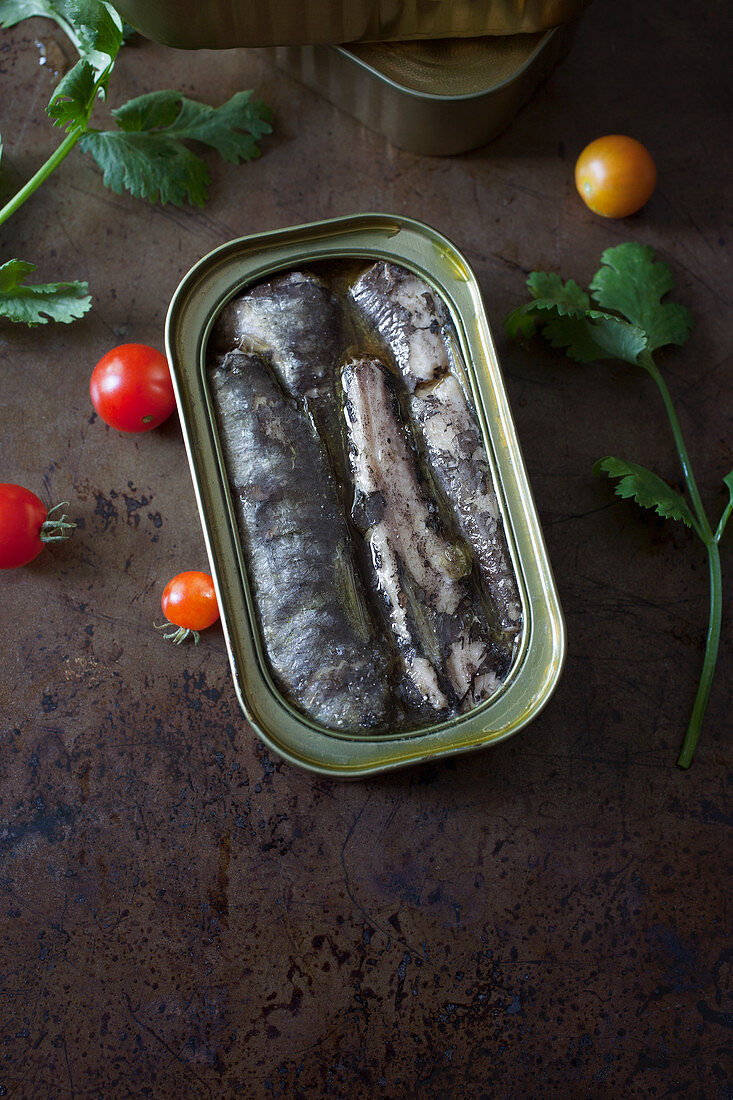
[
  {"x": 449, "y": 657},
  {"x": 459, "y": 465},
  {"x": 414, "y": 325},
  {"x": 319, "y": 631},
  {"x": 409, "y": 317},
  {"x": 300, "y": 325}
]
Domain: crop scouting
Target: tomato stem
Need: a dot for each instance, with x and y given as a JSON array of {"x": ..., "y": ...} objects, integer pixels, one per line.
[
  {"x": 178, "y": 634},
  {"x": 55, "y": 530}
]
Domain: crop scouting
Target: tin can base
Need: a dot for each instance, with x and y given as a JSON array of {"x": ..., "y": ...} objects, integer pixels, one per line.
[{"x": 436, "y": 98}]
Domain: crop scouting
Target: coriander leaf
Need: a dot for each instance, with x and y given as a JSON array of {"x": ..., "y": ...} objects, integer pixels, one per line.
[
  {"x": 93, "y": 27},
  {"x": 646, "y": 488},
  {"x": 521, "y": 322},
  {"x": 72, "y": 102},
  {"x": 149, "y": 166},
  {"x": 15, "y": 11},
  {"x": 35, "y": 305},
  {"x": 146, "y": 155},
  {"x": 232, "y": 129},
  {"x": 595, "y": 336},
  {"x": 631, "y": 282},
  {"x": 99, "y": 30},
  {"x": 549, "y": 287},
  {"x": 550, "y": 293}
]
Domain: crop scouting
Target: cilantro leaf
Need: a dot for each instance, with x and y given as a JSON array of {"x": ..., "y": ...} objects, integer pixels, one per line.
[
  {"x": 146, "y": 156},
  {"x": 94, "y": 27},
  {"x": 99, "y": 31},
  {"x": 232, "y": 129},
  {"x": 646, "y": 488},
  {"x": 72, "y": 102},
  {"x": 15, "y": 11},
  {"x": 631, "y": 282},
  {"x": 595, "y": 336},
  {"x": 153, "y": 167},
  {"x": 547, "y": 287},
  {"x": 549, "y": 293},
  {"x": 35, "y": 305}
]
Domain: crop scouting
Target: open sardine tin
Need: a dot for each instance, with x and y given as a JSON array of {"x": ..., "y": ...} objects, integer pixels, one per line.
[{"x": 538, "y": 658}]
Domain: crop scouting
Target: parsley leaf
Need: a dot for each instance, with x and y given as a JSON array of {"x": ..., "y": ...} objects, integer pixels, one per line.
[
  {"x": 36, "y": 305},
  {"x": 646, "y": 488},
  {"x": 631, "y": 282},
  {"x": 146, "y": 156}
]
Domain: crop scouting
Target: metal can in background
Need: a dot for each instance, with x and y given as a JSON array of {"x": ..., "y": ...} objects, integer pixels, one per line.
[
  {"x": 224, "y": 24},
  {"x": 436, "y": 97}
]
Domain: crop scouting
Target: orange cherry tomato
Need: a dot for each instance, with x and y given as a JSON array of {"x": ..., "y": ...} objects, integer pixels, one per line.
[{"x": 615, "y": 176}]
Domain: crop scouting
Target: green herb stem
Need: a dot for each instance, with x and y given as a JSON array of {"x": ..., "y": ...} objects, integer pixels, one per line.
[
  {"x": 43, "y": 173},
  {"x": 711, "y": 656},
  {"x": 646, "y": 360},
  {"x": 723, "y": 520},
  {"x": 716, "y": 598}
]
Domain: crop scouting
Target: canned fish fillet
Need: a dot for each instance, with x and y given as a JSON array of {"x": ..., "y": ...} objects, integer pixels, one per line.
[{"x": 377, "y": 598}]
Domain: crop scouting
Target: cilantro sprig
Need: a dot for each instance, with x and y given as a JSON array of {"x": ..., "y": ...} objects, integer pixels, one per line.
[
  {"x": 626, "y": 317},
  {"x": 148, "y": 154}
]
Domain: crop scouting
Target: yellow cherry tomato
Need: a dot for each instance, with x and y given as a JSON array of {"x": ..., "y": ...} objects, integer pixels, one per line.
[{"x": 615, "y": 176}]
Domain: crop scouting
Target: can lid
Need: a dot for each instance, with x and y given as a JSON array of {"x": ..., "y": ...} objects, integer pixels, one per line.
[{"x": 221, "y": 24}]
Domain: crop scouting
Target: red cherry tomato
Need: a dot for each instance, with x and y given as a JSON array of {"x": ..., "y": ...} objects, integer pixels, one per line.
[
  {"x": 615, "y": 176},
  {"x": 131, "y": 388},
  {"x": 25, "y": 525},
  {"x": 189, "y": 601}
]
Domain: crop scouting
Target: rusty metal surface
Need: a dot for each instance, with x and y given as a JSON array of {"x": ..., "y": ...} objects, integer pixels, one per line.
[{"x": 182, "y": 915}]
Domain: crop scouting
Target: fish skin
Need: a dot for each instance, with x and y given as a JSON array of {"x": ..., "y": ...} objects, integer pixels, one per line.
[
  {"x": 413, "y": 322},
  {"x": 300, "y": 325},
  {"x": 297, "y": 320},
  {"x": 325, "y": 656},
  {"x": 409, "y": 317},
  {"x": 449, "y": 656},
  {"x": 460, "y": 468}
]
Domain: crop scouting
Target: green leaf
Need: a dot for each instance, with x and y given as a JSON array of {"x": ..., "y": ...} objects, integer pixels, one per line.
[
  {"x": 36, "y": 305},
  {"x": 147, "y": 157},
  {"x": 631, "y": 282},
  {"x": 232, "y": 129},
  {"x": 72, "y": 102},
  {"x": 94, "y": 27},
  {"x": 99, "y": 30},
  {"x": 15, "y": 11},
  {"x": 521, "y": 321},
  {"x": 149, "y": 166},
  {"x": 646, "y": 488},
  {"x": 550, "y": 294},
  {"x": 549, "y": 289},
  {"x": 595, "y": 336}
]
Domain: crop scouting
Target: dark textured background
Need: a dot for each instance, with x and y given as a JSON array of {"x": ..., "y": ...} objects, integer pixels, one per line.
[{"x": 183, "y": 916}]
